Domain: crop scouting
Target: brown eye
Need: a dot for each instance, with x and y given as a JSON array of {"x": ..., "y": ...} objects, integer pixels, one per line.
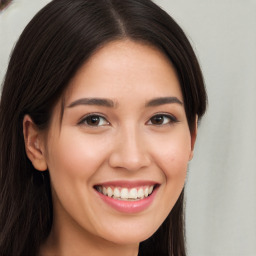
[
  {"x": 162, "y": 119},
  {"x": 94, "y": 120},
  {"x": 157, "y": 120}
]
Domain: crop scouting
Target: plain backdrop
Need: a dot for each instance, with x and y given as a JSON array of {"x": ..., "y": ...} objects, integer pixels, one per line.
[{"x": 221, "y": 184}]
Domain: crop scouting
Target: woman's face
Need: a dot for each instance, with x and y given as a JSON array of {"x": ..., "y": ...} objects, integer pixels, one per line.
[{"x": 123, "y": 133}]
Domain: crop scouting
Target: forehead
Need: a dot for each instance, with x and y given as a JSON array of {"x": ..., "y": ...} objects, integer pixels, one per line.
[{"x": 120, "y": 68}]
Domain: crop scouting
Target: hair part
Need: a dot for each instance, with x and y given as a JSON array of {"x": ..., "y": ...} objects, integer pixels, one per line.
[{"x": 49, "y": 52}]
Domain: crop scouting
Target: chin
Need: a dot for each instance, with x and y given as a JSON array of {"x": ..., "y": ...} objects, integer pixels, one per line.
[
  {"x": 129, "y": 236},
  {"x": 129, "y": 239}
]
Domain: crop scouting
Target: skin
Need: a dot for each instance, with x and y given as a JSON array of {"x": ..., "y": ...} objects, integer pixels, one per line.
[{"x": 126, "y": 145}]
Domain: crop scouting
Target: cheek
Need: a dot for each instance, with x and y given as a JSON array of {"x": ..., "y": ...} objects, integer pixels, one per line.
[
  {"x": 173, "y": 155},
  {"x": 74, "y": 159},
  {"x": 76, "y": 155},
  {"x": 174, "y": 164}
]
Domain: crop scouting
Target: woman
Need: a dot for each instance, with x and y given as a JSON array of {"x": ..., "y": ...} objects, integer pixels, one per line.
[{"x": 99, "y": 115}]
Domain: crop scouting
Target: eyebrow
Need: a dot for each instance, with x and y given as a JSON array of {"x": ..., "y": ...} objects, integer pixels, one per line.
[
  {"x": 93, "y": 101},
  {"x": 162, "y": 101},
  {"x": 110, "y": 103}
]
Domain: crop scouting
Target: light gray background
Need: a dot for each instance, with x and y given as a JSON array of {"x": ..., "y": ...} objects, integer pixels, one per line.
[{"x": 221, "y": 186}]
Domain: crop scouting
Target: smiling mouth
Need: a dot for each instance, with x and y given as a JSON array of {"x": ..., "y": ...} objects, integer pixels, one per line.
[{"x": 126, "y": 194}]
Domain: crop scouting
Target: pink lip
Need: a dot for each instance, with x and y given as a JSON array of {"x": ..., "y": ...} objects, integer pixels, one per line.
[{"x": 128, "y": 206}]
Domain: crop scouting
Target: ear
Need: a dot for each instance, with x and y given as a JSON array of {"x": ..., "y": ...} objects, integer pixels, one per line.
[
  {"x": 34, "y": 144},
  {"x": 193, "y": 139}
]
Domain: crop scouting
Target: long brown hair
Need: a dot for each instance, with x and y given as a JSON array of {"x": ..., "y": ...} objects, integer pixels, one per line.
[{"x": 58, "y": 40}]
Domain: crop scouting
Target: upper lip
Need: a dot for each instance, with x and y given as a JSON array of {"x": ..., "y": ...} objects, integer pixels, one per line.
[{"x": 127, "y": 183}]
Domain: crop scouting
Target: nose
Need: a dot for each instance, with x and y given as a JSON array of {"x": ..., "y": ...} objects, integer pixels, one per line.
[{"x": 130, "y": 151}]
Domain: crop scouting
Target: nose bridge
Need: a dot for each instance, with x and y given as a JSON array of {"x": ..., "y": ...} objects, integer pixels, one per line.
[{"x": 130, "y": 151}]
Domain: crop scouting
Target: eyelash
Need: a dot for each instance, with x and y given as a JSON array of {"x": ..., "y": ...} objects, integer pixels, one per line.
[{"x": 102, "y": 121}]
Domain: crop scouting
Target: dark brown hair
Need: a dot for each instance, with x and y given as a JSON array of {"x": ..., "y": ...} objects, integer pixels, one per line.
[
  {"x": 4, "y": 4},
  {"x": 57, "y": 41}
]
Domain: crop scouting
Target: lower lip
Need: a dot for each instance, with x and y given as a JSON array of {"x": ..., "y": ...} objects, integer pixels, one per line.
[{"x": 129, "y": 206}]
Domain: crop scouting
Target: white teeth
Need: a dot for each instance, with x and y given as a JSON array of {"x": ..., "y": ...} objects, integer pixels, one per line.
[
  {"x": 146, "y": 192},
  {"x": 116, "y": 193},
  {"x": 104, "y": 191},
  {"x": 140, "y": 193},
  {"x": 125, "y": 193},
  {"x": 109, "y": 191},
  {"x": 133, "y": 193},
  {"x": 150, "y": 189}
]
